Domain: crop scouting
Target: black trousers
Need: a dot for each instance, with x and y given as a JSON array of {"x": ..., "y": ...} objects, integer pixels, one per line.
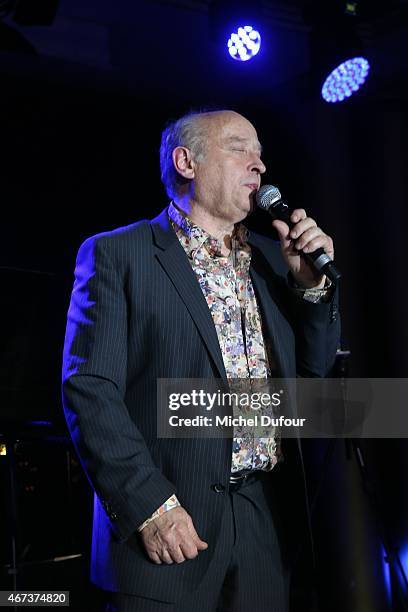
[{"x": 246, "y": 573}]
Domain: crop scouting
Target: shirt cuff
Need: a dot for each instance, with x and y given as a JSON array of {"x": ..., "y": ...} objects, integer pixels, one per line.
[
  {"x": 169, "y": 504},
  {"x": 314, "y": 295}
]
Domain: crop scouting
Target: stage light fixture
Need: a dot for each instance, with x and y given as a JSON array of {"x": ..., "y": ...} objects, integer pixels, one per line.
[
  {"x": 236, "y": 26},
  {"x": 244, "y": 44},
  {"x": 345, "y": 80},
  {"x": 339, "y": 65}
]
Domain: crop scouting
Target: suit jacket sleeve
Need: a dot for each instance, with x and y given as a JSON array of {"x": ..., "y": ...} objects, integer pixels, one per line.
[
  {"x": 317, "y": 329},
  {"x": 112, "y": 450}
]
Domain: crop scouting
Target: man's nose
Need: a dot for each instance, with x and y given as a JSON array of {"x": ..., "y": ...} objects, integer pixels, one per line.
[{"x": 257, "y": 165}]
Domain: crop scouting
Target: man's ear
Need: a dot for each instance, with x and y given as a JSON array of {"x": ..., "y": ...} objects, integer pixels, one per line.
[{"x": 183, "y": 163}]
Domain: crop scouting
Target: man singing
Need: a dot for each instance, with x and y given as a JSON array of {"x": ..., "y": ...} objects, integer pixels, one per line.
[{"x": 195, "y": 524}]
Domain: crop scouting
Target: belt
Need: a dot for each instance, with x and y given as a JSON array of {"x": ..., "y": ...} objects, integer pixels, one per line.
[{"x": 239, "y": 478}]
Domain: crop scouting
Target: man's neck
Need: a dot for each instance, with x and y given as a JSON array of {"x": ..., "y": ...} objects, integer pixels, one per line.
[{"x": 215, "y": 227}]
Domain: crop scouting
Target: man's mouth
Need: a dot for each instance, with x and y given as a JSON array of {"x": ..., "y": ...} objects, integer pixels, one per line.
[{"x": 252, "y": 186}]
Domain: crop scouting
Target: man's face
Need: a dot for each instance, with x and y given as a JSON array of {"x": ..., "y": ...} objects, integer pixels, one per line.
[{"x": 226, "y": 180}]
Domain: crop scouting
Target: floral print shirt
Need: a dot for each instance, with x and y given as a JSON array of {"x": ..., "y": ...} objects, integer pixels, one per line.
[{"x": 228, "y": 290}]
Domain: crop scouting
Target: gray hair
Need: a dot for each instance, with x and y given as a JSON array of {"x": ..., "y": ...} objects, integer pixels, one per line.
[{"x": 189, "y": 131}]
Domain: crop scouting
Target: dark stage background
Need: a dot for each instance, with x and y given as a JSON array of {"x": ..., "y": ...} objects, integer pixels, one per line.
[{"x": 80, "y": 132}]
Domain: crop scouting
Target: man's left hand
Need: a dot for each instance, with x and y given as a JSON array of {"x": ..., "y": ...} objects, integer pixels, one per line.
[{"x": 307, "y": 237}]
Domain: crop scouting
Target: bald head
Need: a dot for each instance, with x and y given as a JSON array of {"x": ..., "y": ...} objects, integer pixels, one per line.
[
  {"x": 193, "y": 131},
  {"x": 214, "y": 120}
]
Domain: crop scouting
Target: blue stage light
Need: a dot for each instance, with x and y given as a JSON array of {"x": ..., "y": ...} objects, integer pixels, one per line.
[
  {"x": 345, "y": 80},
  {"x": 244, "y": 44},
  {"x": 404, "y": 558},
  {"x": 387, "y": 575}
]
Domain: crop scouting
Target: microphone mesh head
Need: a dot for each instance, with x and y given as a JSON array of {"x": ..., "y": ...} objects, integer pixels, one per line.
[{"x": 267, "y": 196}]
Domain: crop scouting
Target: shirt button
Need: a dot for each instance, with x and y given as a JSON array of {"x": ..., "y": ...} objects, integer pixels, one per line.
[{"x": 218, "y": 488}]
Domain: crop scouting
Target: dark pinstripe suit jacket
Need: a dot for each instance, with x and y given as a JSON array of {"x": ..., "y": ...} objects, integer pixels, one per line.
[{"x": 137, "y": 313}]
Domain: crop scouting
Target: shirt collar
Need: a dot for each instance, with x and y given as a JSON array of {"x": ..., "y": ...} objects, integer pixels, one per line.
[{"x": 198, "y": 236}]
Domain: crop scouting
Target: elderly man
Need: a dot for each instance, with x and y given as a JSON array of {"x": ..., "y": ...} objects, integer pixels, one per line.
[{"x": 194, "y": 523}]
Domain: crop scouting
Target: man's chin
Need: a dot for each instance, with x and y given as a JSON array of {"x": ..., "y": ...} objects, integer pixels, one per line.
[
  {"x": 252, "y": 204},
  {"x": 249, "y": 207},
  {"x": 243, "y": 210}
]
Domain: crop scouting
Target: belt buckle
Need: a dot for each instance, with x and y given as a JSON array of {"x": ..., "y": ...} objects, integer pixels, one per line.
[{"x": 237, "y": 479}]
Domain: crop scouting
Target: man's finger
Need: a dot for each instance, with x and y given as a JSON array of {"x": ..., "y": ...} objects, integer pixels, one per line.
[
  {"x": 308, "y": 235},
  {"x": 282, "y": 229},
  {"x": 165, "y": 556},
  {"x": 177, "y": 555},
  {"x": 316, "y": 243},
  {"x": 189, "y": 550},
  {"x": 155, "y": 557},
  {"x": 298, "y": 214},
  {"x": 302, "y": 227},
  {"x": 201, "y": 545}
]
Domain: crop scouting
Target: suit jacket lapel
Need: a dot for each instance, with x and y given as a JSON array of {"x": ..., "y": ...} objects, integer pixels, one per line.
[
  {"x": 260, "y": 273},
  {"x": 173, "y": 259}
]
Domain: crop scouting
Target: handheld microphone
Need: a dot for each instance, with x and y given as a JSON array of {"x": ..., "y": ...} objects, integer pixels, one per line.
[{"x": 269, "y": 198}]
